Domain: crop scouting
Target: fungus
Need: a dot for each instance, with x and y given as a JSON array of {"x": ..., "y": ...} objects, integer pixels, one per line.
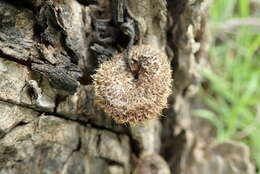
[{"x": 134, "y": 95}]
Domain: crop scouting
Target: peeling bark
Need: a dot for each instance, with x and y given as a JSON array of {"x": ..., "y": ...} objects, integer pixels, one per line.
[{"x": 48, "y": 121}]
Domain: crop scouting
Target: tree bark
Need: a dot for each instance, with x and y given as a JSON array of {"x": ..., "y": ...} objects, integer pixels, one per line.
[{"x": 48, "y": 122}]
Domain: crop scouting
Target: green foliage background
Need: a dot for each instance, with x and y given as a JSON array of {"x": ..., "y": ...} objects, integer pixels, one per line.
[{"x": 232, "y": 93}]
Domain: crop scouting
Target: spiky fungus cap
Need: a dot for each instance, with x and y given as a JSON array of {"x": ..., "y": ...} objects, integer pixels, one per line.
[{"x": 138, "y": 95}]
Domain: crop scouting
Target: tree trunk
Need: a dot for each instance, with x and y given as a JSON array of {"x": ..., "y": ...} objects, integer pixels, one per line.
[{"x": 48, "y": 121}]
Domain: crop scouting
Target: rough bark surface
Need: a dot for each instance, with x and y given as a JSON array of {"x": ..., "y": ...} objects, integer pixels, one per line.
[{"x": 48, "y": 122}]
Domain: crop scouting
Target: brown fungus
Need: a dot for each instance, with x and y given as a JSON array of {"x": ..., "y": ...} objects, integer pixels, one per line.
[{"x": 138, "y": 95}]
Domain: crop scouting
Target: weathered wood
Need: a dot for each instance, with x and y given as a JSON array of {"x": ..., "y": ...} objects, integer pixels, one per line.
[{"x": 48, "y": 121}]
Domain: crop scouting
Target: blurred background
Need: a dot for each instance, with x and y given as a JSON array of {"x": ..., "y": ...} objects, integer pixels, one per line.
[{"x": 230, "y": 92}]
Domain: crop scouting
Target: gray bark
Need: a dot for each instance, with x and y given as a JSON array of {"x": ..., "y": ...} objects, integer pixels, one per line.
[{"x": 48, "y": 122}]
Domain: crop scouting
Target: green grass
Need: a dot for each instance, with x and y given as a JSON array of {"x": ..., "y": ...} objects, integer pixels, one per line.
[{"x": 232, "y": 96}]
